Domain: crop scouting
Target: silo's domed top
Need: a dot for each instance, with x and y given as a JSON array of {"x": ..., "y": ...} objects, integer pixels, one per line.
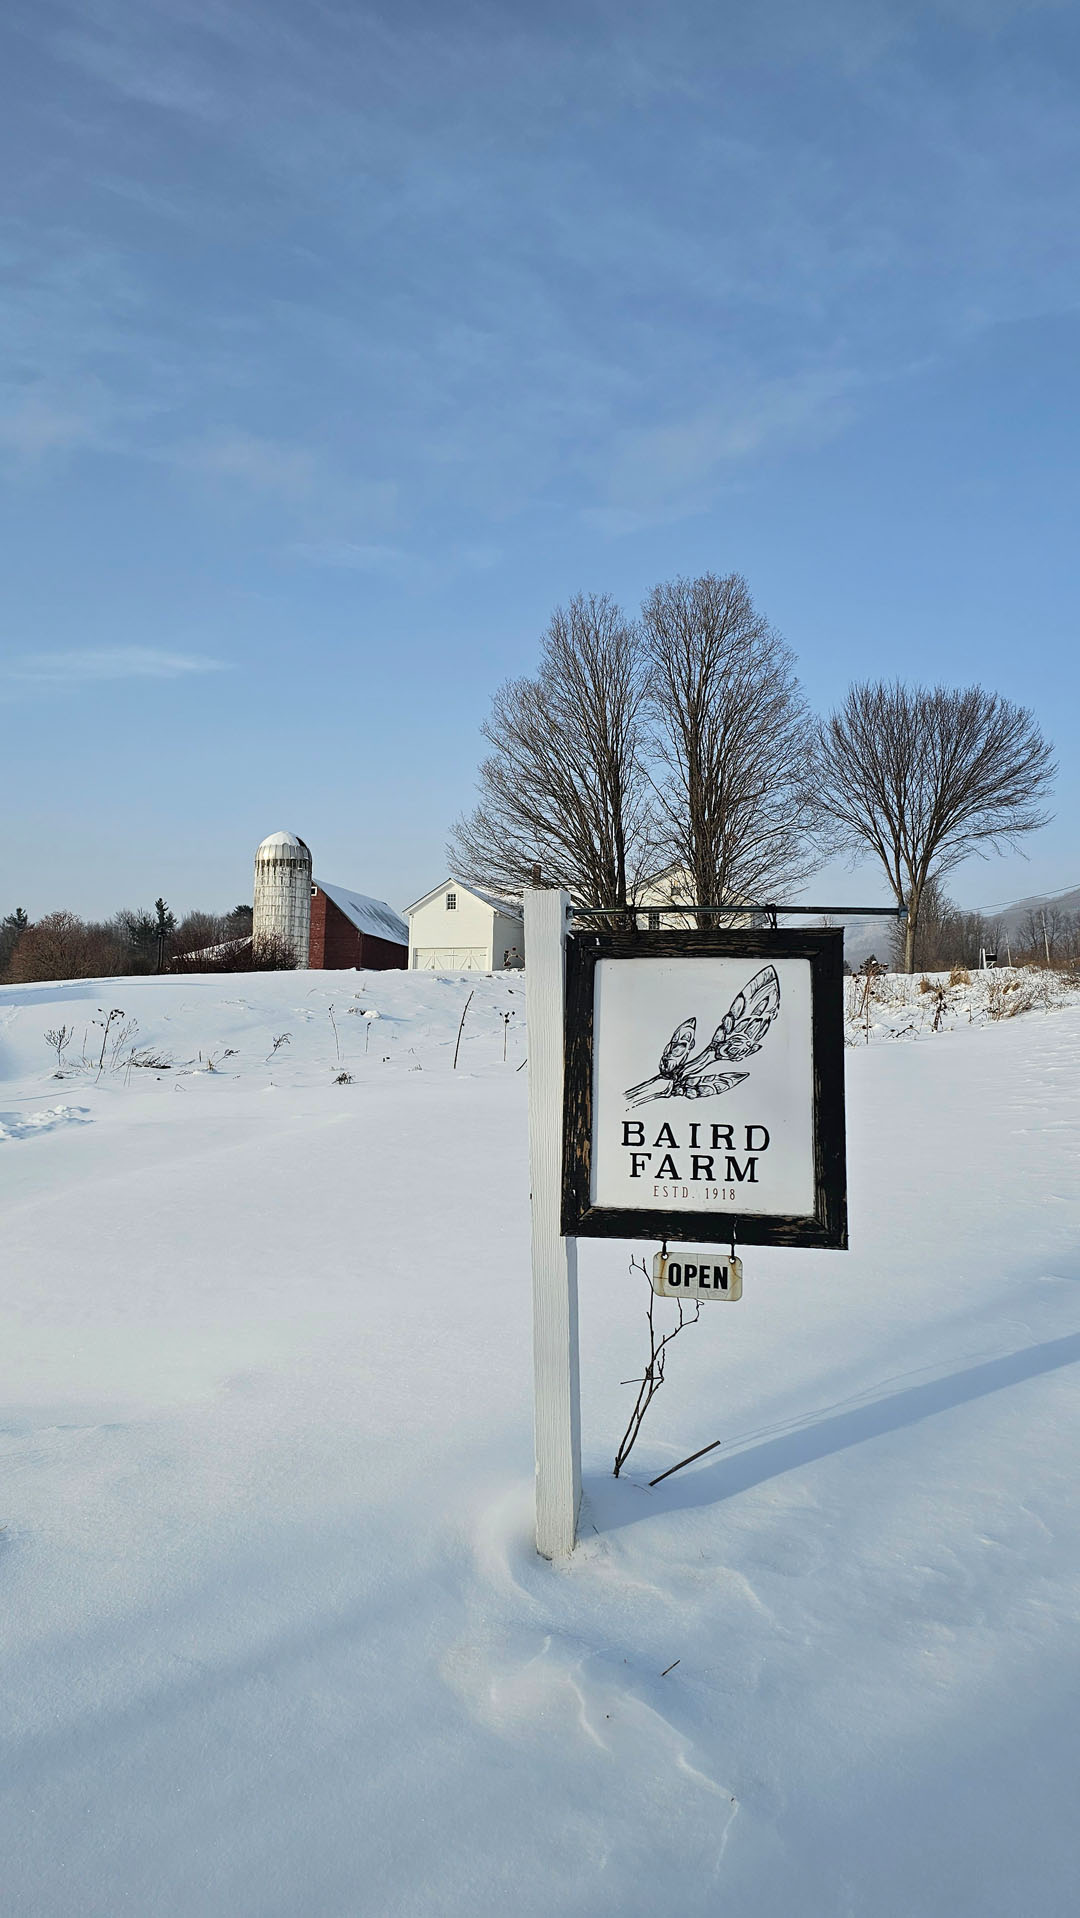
[{"x": 282, "y": 842}]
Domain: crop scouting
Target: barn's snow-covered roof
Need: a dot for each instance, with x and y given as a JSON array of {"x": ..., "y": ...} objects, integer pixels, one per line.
[
  {"x": 372, "y": 916},
  {"x": 510, "y": 908}
]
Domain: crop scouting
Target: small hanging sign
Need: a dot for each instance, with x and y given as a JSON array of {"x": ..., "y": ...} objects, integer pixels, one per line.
[{"x": 693, "y": 1273}]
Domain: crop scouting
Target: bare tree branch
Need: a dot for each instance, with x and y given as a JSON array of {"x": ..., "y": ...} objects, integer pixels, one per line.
[{"x": 564, "y": 784}]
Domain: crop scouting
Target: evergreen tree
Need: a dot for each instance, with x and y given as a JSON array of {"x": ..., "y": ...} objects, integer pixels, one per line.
[{"x": 11, "y": 931}]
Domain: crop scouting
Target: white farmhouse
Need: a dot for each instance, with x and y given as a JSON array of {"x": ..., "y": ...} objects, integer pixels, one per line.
[
  {"x": 457, "y": 928},
  {"x": 675, "y": 887}
]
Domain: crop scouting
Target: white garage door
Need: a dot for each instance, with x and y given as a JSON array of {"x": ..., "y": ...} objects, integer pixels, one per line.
[{"x": 450, "y": 958}]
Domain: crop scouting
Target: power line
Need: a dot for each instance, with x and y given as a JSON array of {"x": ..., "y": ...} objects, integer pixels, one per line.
[{"x": 1037, "y": 898}]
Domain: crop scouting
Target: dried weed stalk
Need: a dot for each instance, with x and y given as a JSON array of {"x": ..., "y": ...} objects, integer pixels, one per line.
[{"x": 653, "y": 1377}]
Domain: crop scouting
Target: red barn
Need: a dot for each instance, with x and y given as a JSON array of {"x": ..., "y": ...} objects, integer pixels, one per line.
[{"x": 349, "y": 929}]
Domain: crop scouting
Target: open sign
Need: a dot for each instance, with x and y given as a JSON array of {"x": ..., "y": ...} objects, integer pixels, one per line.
[{"x": 690, "y": 1274}]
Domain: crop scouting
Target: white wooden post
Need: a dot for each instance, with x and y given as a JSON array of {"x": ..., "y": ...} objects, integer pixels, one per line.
[{"x": 554, "y": 1259}]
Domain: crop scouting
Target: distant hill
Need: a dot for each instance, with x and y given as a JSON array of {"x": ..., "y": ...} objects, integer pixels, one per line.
[
  {"x": 868, "y": 938},
  {"x": 1014, "y": 916},
  {"x": 864, "y": 938}
]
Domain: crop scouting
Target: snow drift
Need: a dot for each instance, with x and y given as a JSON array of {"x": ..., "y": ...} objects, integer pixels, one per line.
[{"x": 276, "y": 1639}]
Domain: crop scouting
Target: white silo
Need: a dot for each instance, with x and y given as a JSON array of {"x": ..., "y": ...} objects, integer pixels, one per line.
[{"x": 283, "y": 892}]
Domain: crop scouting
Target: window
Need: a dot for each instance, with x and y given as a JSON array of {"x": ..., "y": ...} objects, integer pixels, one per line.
[
  {"x": 654, "y": 922},
  {"x": 451, "y": 902}
]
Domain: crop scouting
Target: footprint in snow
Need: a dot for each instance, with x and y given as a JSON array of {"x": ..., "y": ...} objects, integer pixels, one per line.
[{"x": 24, "y": 1125}]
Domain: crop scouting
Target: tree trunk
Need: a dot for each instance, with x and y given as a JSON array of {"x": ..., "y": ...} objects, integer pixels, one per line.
[{"x": 911, "y": 927}]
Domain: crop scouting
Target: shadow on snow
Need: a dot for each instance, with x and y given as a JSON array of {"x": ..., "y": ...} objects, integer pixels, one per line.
[{"x": 741, "y": 1471}]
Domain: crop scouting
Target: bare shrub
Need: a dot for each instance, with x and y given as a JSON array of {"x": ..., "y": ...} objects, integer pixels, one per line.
[
  {"x": 959, "y": 976},
  {"x": 1018, "y": 995},
  {"x": 269, "y": 953},
  {"x": 58, "y": 1041},
  {"x": 653, "y": 1376}
]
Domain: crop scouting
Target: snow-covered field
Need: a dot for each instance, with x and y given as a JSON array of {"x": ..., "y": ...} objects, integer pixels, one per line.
[{"x": 275, "y": 1638}]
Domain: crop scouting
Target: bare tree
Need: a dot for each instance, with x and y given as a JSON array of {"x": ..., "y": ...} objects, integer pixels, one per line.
[
  {"x": 199, "y": 930},
  {"x": 925, "y": 776},
  {"x": 947, "y": 935},
  {"x": 564, "y": 785},
  {"x": 63, "y": 946},
  {"x": 1043, "y": 931},
  {"x": 731, "y": 732}
]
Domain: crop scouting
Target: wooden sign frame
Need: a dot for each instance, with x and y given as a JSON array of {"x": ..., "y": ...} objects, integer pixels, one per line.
[{"x": 827, "y": 1225}]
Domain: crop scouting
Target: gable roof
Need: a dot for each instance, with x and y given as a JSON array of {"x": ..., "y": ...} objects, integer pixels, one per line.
[
  {"x": 372, "y": 916},
  {"x": 510, "y": 908}
]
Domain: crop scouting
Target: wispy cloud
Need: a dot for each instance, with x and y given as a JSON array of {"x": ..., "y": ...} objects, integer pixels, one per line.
[
  {"x": 266, "y": 465},
  {"x": 393, "y": 561},
  {"x": 397, "y": 562},
  {"x": 107, "y": 662},
  {"x": 676, "y": 462},
  {"x": 326, "y": 504},
  {"x": 722, "y": 194},
  {"x": 40, "y": 426}
]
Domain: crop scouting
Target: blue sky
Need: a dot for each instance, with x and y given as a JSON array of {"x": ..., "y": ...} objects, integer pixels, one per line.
[{"x": 341, "y": 342}]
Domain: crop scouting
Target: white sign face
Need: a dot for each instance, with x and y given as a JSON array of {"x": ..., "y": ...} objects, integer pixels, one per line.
[
  {"x": 688, "y": 1273},
  {"x": 703, "y": 1085}
]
